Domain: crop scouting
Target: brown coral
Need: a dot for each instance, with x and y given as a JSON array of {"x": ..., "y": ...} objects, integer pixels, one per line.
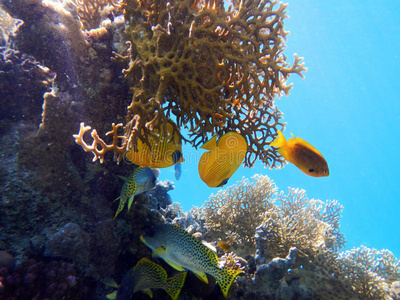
[
  {"x": 213, "y": 69},
  {"x": 92, "y": 12}
]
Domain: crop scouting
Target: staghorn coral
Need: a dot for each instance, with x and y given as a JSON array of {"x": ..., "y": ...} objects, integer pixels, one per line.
[
  {"x": 213, "y": 69},
  {"x": 233, "y": 214}
]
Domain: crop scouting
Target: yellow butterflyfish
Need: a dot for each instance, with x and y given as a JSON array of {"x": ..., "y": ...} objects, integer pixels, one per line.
[
  {"x": 223, "y": 158},
  {"x": 165, "y": 152}
]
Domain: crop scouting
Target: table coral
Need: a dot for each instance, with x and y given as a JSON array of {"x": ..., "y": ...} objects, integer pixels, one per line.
[{"x": 214, "y": 69}]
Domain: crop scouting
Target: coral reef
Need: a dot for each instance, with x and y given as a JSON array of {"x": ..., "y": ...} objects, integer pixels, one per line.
[
  {"x": 296, "y": 221},
  {"x": 233, "y": 214},
  {"x": 92, "y": 12},
  {"x": 22, "y": 84},
  {"x": 295, "y": 247},
  {"x": 53, "y": 24},
  {"x": 44, "y": 279},
  {"x": 7, "y": 260},
  {"x": 213, "y": 69}
]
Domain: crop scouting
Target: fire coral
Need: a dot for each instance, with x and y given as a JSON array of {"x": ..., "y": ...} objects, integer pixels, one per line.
[{"x": 210, "y": 67}]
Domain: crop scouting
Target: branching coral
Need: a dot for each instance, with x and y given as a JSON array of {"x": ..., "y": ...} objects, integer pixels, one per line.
[
  {"x": 370, "y": 271},
  {"x": 233, "y": 214},
  {"x": 92, "y": 12},
  {"x": 296, "y": 221},
  {"x": 213, "y": 69}
]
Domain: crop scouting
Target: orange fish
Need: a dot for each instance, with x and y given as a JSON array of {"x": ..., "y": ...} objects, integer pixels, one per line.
[
  {"x": 224, "y": 246},
  {"x": 224, "y": 157},
  {"x": 302, "y": 155},
  {"x": 164, "y": 153}
]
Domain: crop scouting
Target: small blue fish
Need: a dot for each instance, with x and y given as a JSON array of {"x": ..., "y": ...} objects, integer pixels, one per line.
[{"x": 141, "y": 180}]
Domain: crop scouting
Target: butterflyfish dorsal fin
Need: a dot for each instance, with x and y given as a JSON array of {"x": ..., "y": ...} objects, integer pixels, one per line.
[{"x": 211, "y": 144}]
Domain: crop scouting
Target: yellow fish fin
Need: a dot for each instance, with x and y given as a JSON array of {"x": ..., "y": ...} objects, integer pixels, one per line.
[
  {"x": 297, "y": 140},
  {"x": 120, "y": 208},
  {"x": 201, "y": 275},
  {"x": 225, "y": 278},
  {"x": 110, "y": 282},
  {"x": 148, "y": 292},
  {"x": 211, "y": 144},
  {"x": 279, "y": 141},
  {"x": 112, "y": 296},
  {"x": 130, "y": 201},
  {"x": 175, "y": 284},
  {"x": 122, "y": 177},
  {"x": 158, "y": 252},
  {"x": 175, "y": 266}
]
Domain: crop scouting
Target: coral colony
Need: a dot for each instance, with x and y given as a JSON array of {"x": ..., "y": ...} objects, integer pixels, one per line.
[
  {"x": 214, "y": 69},
  {"x": 211, "y": 67}
]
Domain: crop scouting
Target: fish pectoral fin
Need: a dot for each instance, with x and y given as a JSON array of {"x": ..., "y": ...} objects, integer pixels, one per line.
[
  {"x": 130, "y": 201},
  {"x": 148, "y": 292},
  {"x": 120, "y": 208},
  {"x": 112, "y": 295},
  {"x": 122, "y": 177},
  {"x": 110, "y": 282},
  {"x": 175, "y": 266},
  {"x": 158, "y": 252},
  {"x": 201, "y": 275}
]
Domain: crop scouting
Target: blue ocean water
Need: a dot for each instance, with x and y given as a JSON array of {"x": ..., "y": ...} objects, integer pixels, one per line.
[{"x": 348, "y": 107}]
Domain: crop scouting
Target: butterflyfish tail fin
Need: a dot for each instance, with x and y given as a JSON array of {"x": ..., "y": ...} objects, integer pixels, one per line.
[
  {"x": 175, "y": 284},
  {"x": 225, "y": 279}
]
